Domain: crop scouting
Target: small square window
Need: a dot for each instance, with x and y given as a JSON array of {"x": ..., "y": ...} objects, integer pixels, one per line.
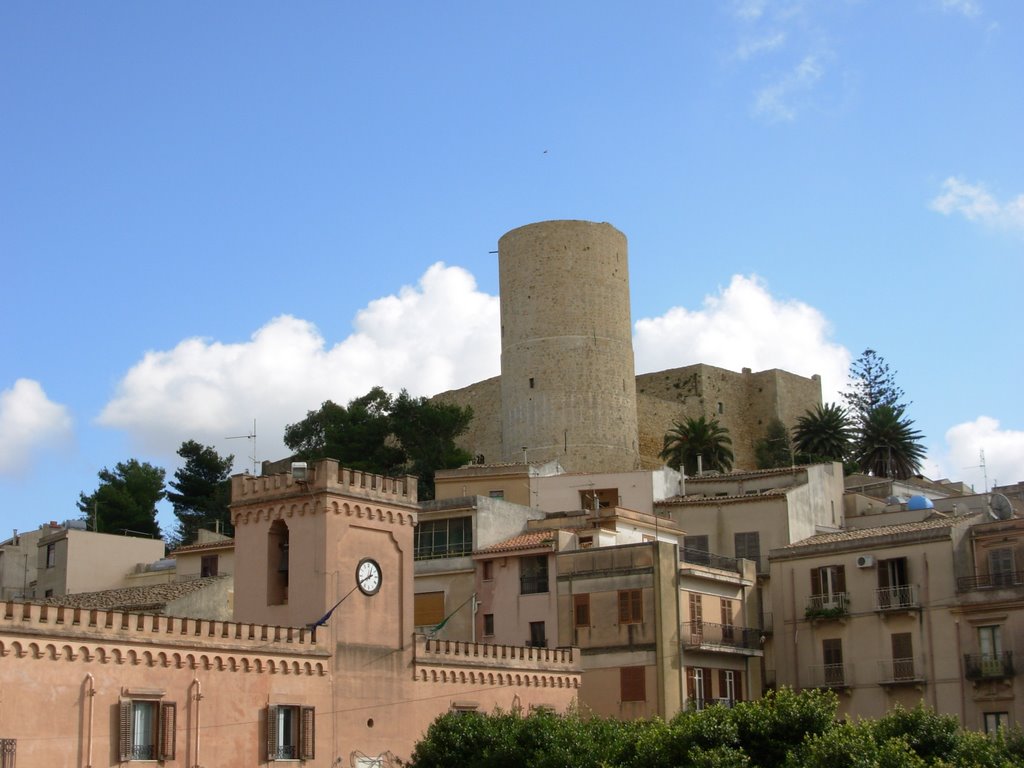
[
  {"x": 632, "y": 684},
  {"x": 208, "y": 566},
  {"x": 995, "y": 721},
  {"x": 631, "y": 606},
  {"x": 488, "y": 624},
  {"x": 488, "y": 570},
  {"x": 496, "y": 494}
]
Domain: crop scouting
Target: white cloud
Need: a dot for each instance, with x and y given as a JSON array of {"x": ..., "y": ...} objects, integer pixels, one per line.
[
  {"x": 975, "y": 203},
  {"x": 440, "y": 334},
  {"x": 968, "y": 8},
  {"x": 754, "y": 47},
  {"x": 778, "y": 102},
  {"x": 960, "y": 457},
  {"x": 744, "y": 326},
  {"x": 749, "y": 10},
  {"x": 29, "y": 422}
]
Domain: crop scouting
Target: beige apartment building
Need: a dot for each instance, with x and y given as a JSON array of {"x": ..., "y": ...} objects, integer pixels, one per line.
[{"x": 929, "y": 610}]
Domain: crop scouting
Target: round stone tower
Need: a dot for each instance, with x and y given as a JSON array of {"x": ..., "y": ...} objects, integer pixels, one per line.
[{"x": 568, "y": 388}]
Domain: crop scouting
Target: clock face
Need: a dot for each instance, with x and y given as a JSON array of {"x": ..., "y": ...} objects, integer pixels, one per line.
[{"x": 368, "y": 576}]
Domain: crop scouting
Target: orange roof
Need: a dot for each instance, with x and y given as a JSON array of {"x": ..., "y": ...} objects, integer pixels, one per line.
[
  {"x": 221, "y": 544},
  {"x": 522, "y": 541}
]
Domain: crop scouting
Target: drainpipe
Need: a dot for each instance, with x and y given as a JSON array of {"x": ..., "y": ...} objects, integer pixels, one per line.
[
  {"x": 91, "y": 693},
  {"x": 197, "y": 697},
  {"x": 678, "y": 584}
]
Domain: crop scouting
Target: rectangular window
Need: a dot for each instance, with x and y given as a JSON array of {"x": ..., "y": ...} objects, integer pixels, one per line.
[
  {"x": 208, "y": 566},
  {"x": 727, "y": 626},
  {"x": 728, "y": 685},
  {"x": 633, "y": 683},
  {"x": 291, "y": 732},
  {"x": 695, "y": 680},
  {"x": 832, "y": 654},
  {"x": 488, "y": 624},
  {"x": 828, "y": 587},
  {"x": 902, "y": 656},
  {"x": 695, "y": 550},
  {"x": 488, "y": 570},
  {"x": 146, "y": 729},
  {"x": 444, "y": 538},
  {"x": 586, "y": 542},
  {"x": 748, "y": 545},
  {"x": 995, "y": 721},
  {"x": 581, "y": 610},
  {"x": 631, "y": 606},
  {"x": 599, "y": 498},
  {"x": 496, "y": 494},
  {"x": 428, "y": 609},
  {"x": 538, "y": 637},
  {"x": 533, "y": 575},
  {"x": 1000, "y": 567},
  {"x": 51, "y": 555}
]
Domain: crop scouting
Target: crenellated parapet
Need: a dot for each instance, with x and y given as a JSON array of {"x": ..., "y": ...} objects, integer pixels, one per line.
[
  {"x": 35, "y": 631},
  {"x": 454, "y": 661},
  {"x": 324, "y": 476}
]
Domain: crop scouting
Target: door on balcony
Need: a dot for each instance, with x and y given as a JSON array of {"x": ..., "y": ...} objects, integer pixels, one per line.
[
  {"x": 696, "y": 618},
  {"x": 828, "y": 586},
  {"x": 832, "y": 654},
  {"x": 990, "y": 643},
  {"x": 893, "y": 585},
  {"x": 902, "y": 656},
  {"x": 1000, "y": 567}
]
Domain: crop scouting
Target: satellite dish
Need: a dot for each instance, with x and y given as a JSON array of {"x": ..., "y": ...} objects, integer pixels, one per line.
[{"x": 1000, "y": 507}]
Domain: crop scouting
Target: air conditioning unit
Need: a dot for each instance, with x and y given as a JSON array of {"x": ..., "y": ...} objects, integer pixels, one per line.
[{"x": 865, "y": 561}]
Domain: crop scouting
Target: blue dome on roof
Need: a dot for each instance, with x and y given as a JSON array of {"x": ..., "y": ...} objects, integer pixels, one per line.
[{"x": 919, "y": 502}]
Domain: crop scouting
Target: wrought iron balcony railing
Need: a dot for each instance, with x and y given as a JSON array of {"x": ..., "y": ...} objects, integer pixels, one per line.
[
  {"x": 899, "y": 598},
  {"x": 830, "y": 676},
  {"x": 990, "y": 581},
  {"x": 830, "y": 606},
  {"x": 532, "y": 585},
  {"x": 988, "y": 666},
  {"x": 704, "y": 634},
  {"x": 897, "y": 671},
  {"x": 710, "y": 559}
]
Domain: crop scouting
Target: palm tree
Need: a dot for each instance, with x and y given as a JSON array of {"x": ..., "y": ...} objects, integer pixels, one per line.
[
  {"x": 888, "y": 445},
  {"x": 697, "y": 437},
  {"x": 824, "y": 434}
]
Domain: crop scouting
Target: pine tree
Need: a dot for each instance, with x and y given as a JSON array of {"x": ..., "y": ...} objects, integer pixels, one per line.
[{"x": 202, "y": 491}]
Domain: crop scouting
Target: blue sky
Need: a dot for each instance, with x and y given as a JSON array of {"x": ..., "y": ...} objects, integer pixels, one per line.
[{"x": 215, "y": 213}]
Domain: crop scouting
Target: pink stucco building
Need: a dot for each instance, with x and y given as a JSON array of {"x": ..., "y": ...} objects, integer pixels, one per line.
[{"x": 320, "y": 666}]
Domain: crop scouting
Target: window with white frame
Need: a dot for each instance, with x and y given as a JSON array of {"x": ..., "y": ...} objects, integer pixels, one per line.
[
  {"x": 146, "y": 729},
  {"x": 291, "y": 732},
  {"x": 994, "y": 721}
]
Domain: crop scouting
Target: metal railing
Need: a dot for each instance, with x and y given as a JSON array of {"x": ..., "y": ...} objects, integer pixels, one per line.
[
  {"x": 988, "y": 666},
  {"x": 710, "y": 559},
  {"x": 990, "y": 581},
  {"x": 830, "y": 675},
  {"x": 906, "y": 670},
  {"x": 901, "y": 597},
  {"x": 828, "y": 606},
  {"x": 704, "y": 634},
  {"x": 533, "y": 585},
  {"x": 436, "y": 551},
  {"x": 8, "y": 752}
]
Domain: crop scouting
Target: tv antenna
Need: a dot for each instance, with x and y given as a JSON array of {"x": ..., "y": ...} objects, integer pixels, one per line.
[
  {"x": 251, "y": 436},
  {"x": 982, "y": 467}
]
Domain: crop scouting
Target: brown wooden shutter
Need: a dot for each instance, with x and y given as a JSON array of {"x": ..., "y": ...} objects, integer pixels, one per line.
[
  {"x": 815, "y": 581},
  {"x": 581, "y": 610},
  {"x": 840, "y": 578},
  {"x": 428, "y": 608},
  {"x": 623, "y": 607},
  {"x": 168, "y": 724},
  {"x": 738, "y": 677},
  {"x": 125, "y": 728},
  {"x": 307, "y": 733},
  {"x": 271, "y": 732},
  {"x": 633, "y": 683},
  {"x": 691, "y": 685}
]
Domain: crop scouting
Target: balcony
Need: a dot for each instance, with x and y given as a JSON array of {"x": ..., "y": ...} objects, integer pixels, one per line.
[
  {"x": 711, "y": 560},
  {"x": 991, "y": 666},
  {"x": 907, "y": 671},
  {"x": 900, "y": 598},
  {"x": 1000, "y": 580},
  {"x": 728, "y": 638},
  {"x": 830, "y": 676},
  {"x": 533, "y": 585},
  {"x": 834, "y": 605}
]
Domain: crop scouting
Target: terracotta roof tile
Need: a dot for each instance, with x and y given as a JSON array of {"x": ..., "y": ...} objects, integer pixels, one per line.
[
  {"x": 768, "y": 493},
  {"x": 222, "y": 544},
  {"x": 856, "y": 534},
  {"x": 522, "y": 541},
  {"x": 152, "y": 598}
]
